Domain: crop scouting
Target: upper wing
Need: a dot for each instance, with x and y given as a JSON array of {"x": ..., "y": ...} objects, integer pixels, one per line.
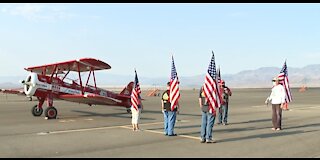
[
  {"x": 85, "y": 64},
  {"x": 90, "y": 99}
]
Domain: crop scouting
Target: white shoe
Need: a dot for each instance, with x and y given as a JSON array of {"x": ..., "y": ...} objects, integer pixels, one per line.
[{"x": 210, "y": 141}]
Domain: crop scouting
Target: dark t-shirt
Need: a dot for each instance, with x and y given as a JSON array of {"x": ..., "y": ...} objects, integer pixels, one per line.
[
  {"x": 165, "y": 99},
  {"x": 166, "y": 102},
  {"x": 205, "y": 105},
  {"x": 225, "y": 94}
]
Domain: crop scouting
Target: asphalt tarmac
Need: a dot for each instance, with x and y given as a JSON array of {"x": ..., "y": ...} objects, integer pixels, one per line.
[{"x": 105, "y": 131}]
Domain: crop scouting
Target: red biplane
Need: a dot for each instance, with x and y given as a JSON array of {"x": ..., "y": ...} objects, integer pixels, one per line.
[{"x": 48, "y": 82}]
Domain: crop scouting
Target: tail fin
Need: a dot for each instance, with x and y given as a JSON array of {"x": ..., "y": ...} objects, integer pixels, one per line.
[{"x": 127, "y": 90}]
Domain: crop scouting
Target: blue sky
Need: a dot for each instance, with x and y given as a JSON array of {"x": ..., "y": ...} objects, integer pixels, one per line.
[{"x": 144, "y": 36}]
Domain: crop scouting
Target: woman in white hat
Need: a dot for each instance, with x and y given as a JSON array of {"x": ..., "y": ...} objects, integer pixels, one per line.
[{"x": 277, "y": 99}]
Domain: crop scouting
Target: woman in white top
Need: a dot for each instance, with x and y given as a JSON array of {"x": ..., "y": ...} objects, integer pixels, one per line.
[
  {"x": 277, "y": 99},
  {"x": 136, "y": 117}
]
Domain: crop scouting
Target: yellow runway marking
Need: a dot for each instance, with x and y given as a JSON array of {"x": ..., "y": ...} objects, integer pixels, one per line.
[
  {"x": 159, "y": 132},
  {"x": 99, "y": 128},
  {"x": 77, "y": 130},
  {"x": 123, "y": 126}
]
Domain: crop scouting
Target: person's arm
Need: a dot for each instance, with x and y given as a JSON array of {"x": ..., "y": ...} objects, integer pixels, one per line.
[
  {"x": 200, "y": 102},
  {"x": 200, "y": 99},
  {"x": 268, "y": 98},
  {"x": 283, "y": 96},
  {"x": 162, "y": 106},
  {"x": 178, "y": 107},
  {"x": 229, "y": 90},
  {"x": 281, "y": 105}
]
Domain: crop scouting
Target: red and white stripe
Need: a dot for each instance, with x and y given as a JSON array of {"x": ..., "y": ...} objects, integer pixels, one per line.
[
  {"x": 174, "y": 93},
  {"x": 135, "y": 101},
  {"x": 135, "y": 95},
  {"x": 285, "y": 83},
  {"x": 212, "y": 93}
]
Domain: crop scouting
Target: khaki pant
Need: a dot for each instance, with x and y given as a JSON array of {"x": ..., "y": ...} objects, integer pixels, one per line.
[{"x": 276, "y": 116}]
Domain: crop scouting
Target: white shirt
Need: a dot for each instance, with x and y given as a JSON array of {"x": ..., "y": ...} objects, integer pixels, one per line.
[{"x": 277, "y": 95}]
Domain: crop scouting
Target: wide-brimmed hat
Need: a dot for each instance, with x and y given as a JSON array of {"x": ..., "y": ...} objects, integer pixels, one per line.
[{"x": 275, "y": 79}]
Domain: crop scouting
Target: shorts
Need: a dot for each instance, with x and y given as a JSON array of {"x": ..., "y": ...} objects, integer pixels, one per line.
[{"x": 135, "y": 115}]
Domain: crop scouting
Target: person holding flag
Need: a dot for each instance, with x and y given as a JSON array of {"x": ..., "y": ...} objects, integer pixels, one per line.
[
  {"x": 277, "y": 99},
  {"x": 136, "y": 105},
  {"x": 223, "y": 110},
  {"x": 209, "y": 99},
  {"x": 225, "y": 93},
  {"x": 169, "y": 102}
]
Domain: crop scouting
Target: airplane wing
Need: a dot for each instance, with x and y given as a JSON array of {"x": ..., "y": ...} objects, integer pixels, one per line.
[
  {"x": 85, "y": 64},
  {"x": 18, "y": 91},
  {"x": 90, "y": 99},
  {"x": 125, "y": 96},
  {"x": 13, "y": 91}
]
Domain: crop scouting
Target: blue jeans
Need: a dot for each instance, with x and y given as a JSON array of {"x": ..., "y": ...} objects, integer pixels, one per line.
[
  {"x": 223, "y": 113},
  {"x": 165, "y": 122},
  {"x": 207, "y": 125},
  {"x": 171, "y": 121}
]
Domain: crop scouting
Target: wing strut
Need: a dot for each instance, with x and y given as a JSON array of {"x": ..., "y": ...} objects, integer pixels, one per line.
[
  {"x": 88, "y": 78},
  {"x": 94, "y": 79},
  {"x": 65, "y": 75},
  {"x": 80, "y": 79}
]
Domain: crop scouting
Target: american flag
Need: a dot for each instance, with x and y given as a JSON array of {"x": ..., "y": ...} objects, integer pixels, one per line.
[
  {"x": 174, "y": 87},
  {"x": 284, "y": 75},
  {"x": 211, "y": 87},
  {"x": 135, "y": 95}
]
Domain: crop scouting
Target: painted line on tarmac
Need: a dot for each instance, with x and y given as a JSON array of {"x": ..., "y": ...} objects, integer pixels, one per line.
[
  {"x": 76, "y": 130},
  {"x": 304, "y": 108},
  {"x": 298, "y": 108},
  {"x": 64, "y": 121},
  {"x": 90, "y": 129},
  {"x": 146, "y": 124},
  {"x": 190, "y": 137},
  {"x": 99, "y": 128},
  {"x": 259, "y": 106},
  {"x": 159, "y": 132}
]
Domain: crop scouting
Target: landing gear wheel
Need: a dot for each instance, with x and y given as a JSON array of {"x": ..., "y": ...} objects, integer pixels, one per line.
[
  {"x": 51, "y": 113},
  {"x": 36, "y": 111}
]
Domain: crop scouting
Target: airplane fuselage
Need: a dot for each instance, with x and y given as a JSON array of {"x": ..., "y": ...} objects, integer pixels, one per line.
[{"x": 42, "y": 85}]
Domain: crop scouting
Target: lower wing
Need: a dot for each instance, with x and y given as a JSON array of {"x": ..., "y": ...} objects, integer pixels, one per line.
[
  {"x": 13, "y": 91},
  {"x": 90, "y": 99}
]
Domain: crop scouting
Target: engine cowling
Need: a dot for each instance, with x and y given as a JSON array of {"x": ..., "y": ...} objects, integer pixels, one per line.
[{"x": 30, "y": 86}]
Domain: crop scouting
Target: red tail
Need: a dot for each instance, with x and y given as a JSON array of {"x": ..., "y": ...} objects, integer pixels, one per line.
[{"x": 127, "y": 90}]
